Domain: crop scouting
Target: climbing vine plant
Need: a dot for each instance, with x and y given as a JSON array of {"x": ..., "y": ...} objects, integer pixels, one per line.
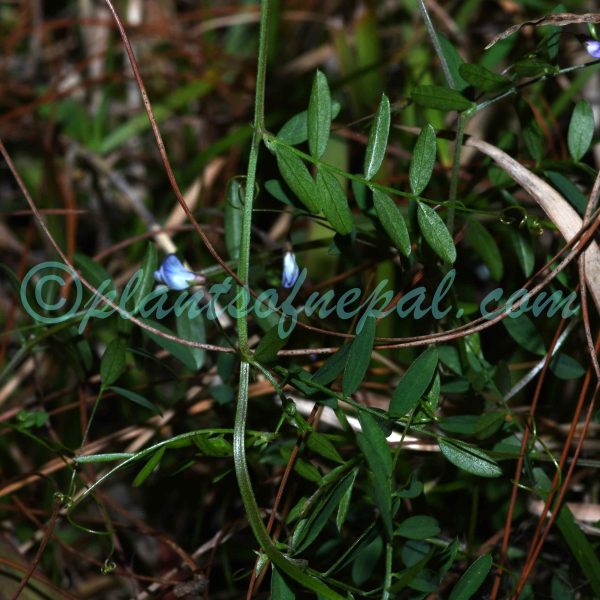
[{"x": 368, "y": 369}]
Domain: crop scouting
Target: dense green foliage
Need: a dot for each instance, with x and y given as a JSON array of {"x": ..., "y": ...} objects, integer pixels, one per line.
[{"x": 162, "y": 442}]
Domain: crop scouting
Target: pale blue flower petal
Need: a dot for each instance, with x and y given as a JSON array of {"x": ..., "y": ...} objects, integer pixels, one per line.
[
  {"x": 593, "y": 48},
  {"x": 174, "y": 275},
  {"x": 291, "y": 270}
]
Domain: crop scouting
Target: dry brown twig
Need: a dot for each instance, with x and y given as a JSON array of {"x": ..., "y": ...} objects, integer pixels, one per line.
[{"x": 557, "y": 20}]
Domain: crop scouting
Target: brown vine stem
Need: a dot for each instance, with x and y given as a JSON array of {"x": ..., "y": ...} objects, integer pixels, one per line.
[
  {"x": 171, "y": 176},
  {"x": 89, "y": 286},
  {"x": 477, "y": 325},
  {"x": 572, "y": 249},
  {"x": 534, "y": 554},
  {"x": 40, "y": 551},
  {"x": 539, "y": 536},
  {"x": 521, "y": 460},
  {"x": 282, "y": 485}
]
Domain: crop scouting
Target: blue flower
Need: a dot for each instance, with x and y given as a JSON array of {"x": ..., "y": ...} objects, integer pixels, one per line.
[
  {"x": 593, "y": 48},
  {"x": 291, "y": 270},
  {"x": 174, "y": 275}
]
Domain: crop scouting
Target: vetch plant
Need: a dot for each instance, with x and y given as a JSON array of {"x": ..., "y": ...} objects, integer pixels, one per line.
[{"x": 310, "y": 440}]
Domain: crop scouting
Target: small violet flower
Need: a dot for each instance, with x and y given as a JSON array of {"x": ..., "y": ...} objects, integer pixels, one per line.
[
  {"x": 174, "y": 275},
  {"x": 291, "y": 270},
  {"x": 593, "y": 48}
]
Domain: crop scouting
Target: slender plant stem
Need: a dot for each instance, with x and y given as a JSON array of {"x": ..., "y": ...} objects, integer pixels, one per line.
[
  {"x": 259, "y": 130},
  {"x": 289, "y": 567},
  {"x": 286, "y": 565},
  {"x": 436, "y": 44},
  {"x": 85, "y": 437},
  {"x": 460, "y": 134},
  {"x": 387, "y": 582},
  {"x": 483, "y": 105}
]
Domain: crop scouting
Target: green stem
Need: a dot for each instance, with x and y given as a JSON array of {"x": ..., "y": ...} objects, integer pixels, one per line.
[
  {"x": 460, "y": 134},
  {"x": 387, "y": 582},
  {"x": 84, "y": 438},
  {"x": 259, "y": 130},
  {"x": 436, "y": 44},
  {"x": 483, "y": 105},
  {"x": 288, "y": 567}
]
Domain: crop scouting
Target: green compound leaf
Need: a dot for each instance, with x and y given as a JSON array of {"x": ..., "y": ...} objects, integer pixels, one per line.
[
  {"x": 414, "y": 383},
  {"x": 469, "y": 458},
  {"x": 147, "y": 469},
  {"x": 560, "y": 588},
  {"x": 410, "y": 575},
  {"x": 488, "y": 423},
  {"x": 295, "y": 131},
  {"x": 307, "y": 470},
  {"x": 31, "y": 419},
  {"x": 566, "y": 367},
  {"x": 319, "y": 443},
  {"x": 532, "y": 67},
  {"x": 523, "y": 330},
  {"x": 454, "y": 60},
  {"x": 436, "y": 233},
  {"x": 421, "y": 165},
  {"x": 366, "y": 560},
  {"x": 581, "y": 548},
  {"x": 333, "y": 202},
  {"x": 581, "y": 130},
  {"x": 472, "y": 578},
  {"x": 112, "y": 364},
  {"x": 296, "y": 175},
  {"x": 486, "y": 247},
  {"x": 274, "y": 187},
  {"x": 308, "y": 529},
  {"x": 522, "y": 248},
  {"x": 378, "y": 138},
  {"x": 135, "y": 398},
  {"x": 233, "y": 218},
  {"x": 94, "y": 272},
  {"x": 359, "y": 357},
  {"x": 440, "y": 98},
  {"x": 319, "y": 116},
  {"x": 212, "y": 446},
  {"x": 146, "y": 283},
  {"x": 332, "y": 367},
  {"x": 569, "y": 190},
  {"x": 419, "y": 527},
  {"x": 412, "y": 489},
  {"x": 344, "y": 504},
  {"x": 181, "y": 352},
  {"x": 270, "y": 344},
  {"x": 484, "y": 79},
  {"x": 461, "y": 424},
  {"x": 193, "y": 329},
  {"x": 381, "y": 451},
  {"x": 534, "y": 142},
  {"x": 377, "y": 453},
  {"x": 392, "y": 221},
  {"x": 280, "y": 587}
]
